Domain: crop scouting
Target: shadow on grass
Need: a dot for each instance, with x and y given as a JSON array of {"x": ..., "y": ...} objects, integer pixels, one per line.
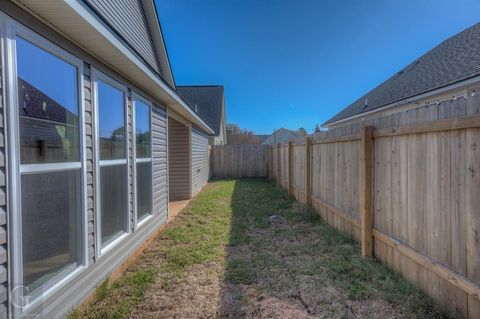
[{"x": 283, "y": 261}]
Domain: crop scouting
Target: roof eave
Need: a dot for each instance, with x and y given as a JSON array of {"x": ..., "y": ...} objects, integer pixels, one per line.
[
  {"x": 160, "y": 46},
  {"x": 442, "y": 90},
  {"x": 73, "y": 19}
]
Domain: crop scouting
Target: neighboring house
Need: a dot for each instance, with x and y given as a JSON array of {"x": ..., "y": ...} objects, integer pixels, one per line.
[
  {"x": 281, "y": 135},
  {"x": 437, "y": 85},
  {"x": 261, "y": 137},
  {"x": 95, "y": 142},
  {"x": 208, "y": 101}
]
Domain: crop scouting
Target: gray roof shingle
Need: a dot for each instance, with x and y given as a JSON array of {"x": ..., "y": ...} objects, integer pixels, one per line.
[
  {"x": 454, "y": 60},
  {"x": 206, "y": 101},
  {"x": 281, "y": 135}
]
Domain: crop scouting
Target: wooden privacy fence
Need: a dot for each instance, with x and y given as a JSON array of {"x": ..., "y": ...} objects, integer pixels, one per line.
[
  {"x": 410, "y": 195},
  {"x": 235, "y": 161}
]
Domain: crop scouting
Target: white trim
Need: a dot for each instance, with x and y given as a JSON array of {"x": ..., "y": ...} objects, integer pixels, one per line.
[
  {"x": 168, "y": 161},
  {"x": 137, "y": 97},
  {"x": 112, "y": 162},
  {"x": 113, "y": 243},
  {"x": 143, "y": 160},
  {"x": 13, "y": 29},
  {"x": 49, "y": 167},
  {"x": 91, "y": 20},
  {"x": 190, "y": 159},
  {"x": 95, "y": 77},
  {"x": 444, "y": 90},
  {"x": 162, "y": 55},
  {"x": 142, "y": 221}
]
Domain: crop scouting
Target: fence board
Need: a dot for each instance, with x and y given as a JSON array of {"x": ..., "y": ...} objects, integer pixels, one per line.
[
  {"x": 426, "y": 186},
  {"x": 235, "y": 161}
]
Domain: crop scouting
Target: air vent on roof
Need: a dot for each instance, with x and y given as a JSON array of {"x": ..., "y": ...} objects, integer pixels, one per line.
[
  {"x": 366, "y": 104},
  {"x": 196, "y": 108}
]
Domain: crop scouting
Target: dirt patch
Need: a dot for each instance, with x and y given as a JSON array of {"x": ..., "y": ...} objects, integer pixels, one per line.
[{"x": 195, "y": 295}]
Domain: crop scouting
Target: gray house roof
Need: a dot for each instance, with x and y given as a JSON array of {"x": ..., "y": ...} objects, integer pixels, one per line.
[
  {"x": 281, "y": 135},
  {"x": 262, "y": 137},
  {"x": 207, "y": 102},
  {"x": 454, "y": 60}
]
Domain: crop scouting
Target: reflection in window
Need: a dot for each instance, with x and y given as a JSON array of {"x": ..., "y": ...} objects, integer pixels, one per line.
[
  {"x": 111, "y": 122},
  {"x": 113, "y": 175},
  {"x": 144, "y": 189},
  {"x": 113, "y": 202},
  {"x": 48, "y": 106},
  {"x": 143, "y": 160},
  {"x": 50, "y": 218},
  {"x": 49, "y": 132},
  {"x": 142, "y": 129}
]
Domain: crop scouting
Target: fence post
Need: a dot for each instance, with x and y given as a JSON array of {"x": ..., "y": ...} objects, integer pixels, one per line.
[
  {"x": 366, "y": 187},
  {"x": 290, "y": 168},
  {"x": 278, "y": 165},
  {"x": 308, "y": 171}
]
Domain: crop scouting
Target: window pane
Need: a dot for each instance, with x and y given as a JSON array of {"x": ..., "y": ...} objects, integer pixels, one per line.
[
  {"x": 113, "y": 202},
  {"x": 51, "y": 215},
  {"x": 144, "y": 189},
  {"x": 142, "y": 129},
  {"x": 111, "y": 104},
  {"x": 47, "y": 105}
]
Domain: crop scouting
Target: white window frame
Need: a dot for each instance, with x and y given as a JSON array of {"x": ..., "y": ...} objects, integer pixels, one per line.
[
  {"x": 9, "y": 30},
  {"x": 137, "y": 97},
  {"x": 96, "y": 76}
]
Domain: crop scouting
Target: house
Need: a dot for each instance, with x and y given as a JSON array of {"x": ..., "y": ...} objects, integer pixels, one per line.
[
  {"x": 261, "y": 137},
  {"x": 440, "y": 84},
  {"x": 281, "y": 135},
  {"x": 95, "y": 142},
  {"x": 209, "y": 103}
]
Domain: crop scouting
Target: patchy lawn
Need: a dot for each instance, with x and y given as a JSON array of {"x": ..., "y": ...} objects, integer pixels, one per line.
[{"x": 245, "y": 249}]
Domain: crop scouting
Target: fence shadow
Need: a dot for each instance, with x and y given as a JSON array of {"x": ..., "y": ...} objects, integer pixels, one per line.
[{"x": 283, "y": 261}]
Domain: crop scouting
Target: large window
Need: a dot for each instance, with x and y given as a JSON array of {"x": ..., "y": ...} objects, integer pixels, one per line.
[
  {"x": 143, "y": 158},
  {"x": 47, "y": 170},
  {"x": 112, "y": 196}
]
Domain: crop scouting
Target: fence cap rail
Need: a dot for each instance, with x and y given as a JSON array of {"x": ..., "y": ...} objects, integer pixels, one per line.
[
  {"x": 336, "y": 139},
  {"x": 430, "y": 127}
]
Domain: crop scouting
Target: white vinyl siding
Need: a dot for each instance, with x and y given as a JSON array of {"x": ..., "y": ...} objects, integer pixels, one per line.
[
  {"x": 127, "y": 17},
  {"x": 200, "y": 165},
  {"x": 159, "y": 158}
]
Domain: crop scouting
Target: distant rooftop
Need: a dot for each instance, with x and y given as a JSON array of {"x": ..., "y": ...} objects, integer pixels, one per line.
[
  {"x": 206, "y": 101},
  {"x": 455, "y": 59},
  {"x": 281, "y": 135}
]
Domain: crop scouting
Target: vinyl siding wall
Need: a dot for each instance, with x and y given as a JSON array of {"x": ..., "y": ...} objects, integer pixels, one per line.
[
  {"x": 72, "y": 293},
  {"x": 178, "y": 160},
  {"x": 89, "y": 138},
  {"x": 3, "y": 197},
  {"x": 200, "y": 163},
  {"x": 127, "y": 17},
  {"x": 159, "y": 158}
]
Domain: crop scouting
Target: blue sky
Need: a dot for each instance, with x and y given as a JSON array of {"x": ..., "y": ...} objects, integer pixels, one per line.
[{"x": 296, "y": 63}]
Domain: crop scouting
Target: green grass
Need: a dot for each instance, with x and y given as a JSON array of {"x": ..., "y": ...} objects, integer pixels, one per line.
[{"x": 230, "y": 223}]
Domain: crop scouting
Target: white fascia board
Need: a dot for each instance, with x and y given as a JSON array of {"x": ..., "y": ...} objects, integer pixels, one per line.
[
  {"x": 106, "y": 33},
  {"x": 444, "y": 90},
  {"x": 73, "y": 19},
  {"x": 155, "y": 29}
]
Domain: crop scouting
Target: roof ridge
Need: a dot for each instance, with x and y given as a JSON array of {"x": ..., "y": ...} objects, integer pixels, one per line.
[{"x": 431, "y": 71}]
